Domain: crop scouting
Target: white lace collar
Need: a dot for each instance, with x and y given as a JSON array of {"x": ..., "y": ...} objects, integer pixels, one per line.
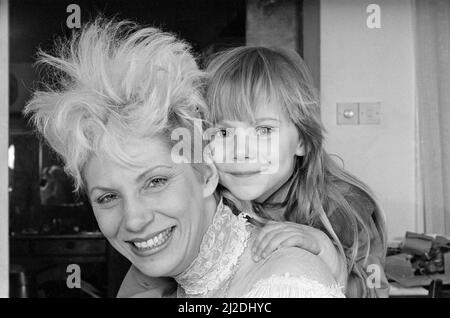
[{"x": 220, "y": 250}]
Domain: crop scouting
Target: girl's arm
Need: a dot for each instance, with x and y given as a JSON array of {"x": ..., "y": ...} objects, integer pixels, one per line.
[
  {"x": 365, "y": 283},
  {"x": 367, "y": 278}
]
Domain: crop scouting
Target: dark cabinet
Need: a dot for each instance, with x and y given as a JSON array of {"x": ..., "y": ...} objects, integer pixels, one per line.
[{"x": 40, "y": 266}]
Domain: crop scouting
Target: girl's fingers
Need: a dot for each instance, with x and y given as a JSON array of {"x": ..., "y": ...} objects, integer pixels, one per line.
[
  {"x": 271, "y": 241},
  {"x": 289, "y": 234},
  {"x": 277, "y": 241},
  {"x": 268, "y": 228},
  {"x": 306, "y": 242},
  {"x": 259, "y": 246},
  {"x": 273, "y": 227},
  {"x": 289, "y": 238}
]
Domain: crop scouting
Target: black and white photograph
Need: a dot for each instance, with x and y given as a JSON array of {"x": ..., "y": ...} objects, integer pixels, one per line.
[{"x": 248, "y": 150}]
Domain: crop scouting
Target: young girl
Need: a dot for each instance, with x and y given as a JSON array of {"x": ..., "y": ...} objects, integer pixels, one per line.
[{"x": 266, "y": 95}]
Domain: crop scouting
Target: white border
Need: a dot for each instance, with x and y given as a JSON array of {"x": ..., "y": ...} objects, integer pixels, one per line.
[{"x": 4, "y": 117}]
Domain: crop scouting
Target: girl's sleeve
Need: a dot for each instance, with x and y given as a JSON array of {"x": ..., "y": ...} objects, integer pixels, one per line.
[
  {"x": 367, "y": 278},
  {"x": 289, "y": 286}
]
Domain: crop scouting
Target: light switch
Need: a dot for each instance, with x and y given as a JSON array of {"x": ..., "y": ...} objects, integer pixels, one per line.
[
  {"x": 347, "y": 114},
  {"x": 369, "y": 113}
]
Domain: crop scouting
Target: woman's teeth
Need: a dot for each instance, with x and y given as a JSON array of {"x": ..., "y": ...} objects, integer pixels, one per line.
[{"x": 154, "y": 241}]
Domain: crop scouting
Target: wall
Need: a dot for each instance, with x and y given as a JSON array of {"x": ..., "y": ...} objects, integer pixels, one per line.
[
  {"x": 4, "y": 259},
  {"x": 311, "y": 38},
  {"x": 273, "y": 23},
  {"x": 362, "y": 64}
]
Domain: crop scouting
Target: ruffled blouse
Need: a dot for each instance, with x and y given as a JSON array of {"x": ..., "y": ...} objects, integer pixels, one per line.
[{"x": 224, "y": 267}]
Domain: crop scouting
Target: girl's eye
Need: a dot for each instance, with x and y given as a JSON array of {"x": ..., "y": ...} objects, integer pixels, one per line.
[
  {"x": 264, "y": 131},
  {"x": 106, "y": 198},
  {"x": 223, "y": 132},
  {"x": 155, "y": 183}
]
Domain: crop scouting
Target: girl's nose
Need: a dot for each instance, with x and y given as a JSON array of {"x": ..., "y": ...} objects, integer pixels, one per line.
[
  {"x": 137, "y": 215},
  {"x": 245, "y": 147}
]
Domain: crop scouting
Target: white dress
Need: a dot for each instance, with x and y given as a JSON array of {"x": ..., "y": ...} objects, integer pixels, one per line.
[{"x": 225, "y": 268}]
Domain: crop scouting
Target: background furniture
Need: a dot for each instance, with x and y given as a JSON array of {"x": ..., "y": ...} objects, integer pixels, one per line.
[{"x": 39, "y": 265}]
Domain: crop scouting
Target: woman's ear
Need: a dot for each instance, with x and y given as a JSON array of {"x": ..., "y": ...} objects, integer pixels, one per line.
[
  {"x": 210, "y": 176},
  {"x": 300, "y": 150},
  {"x": 210, "y": 179}
]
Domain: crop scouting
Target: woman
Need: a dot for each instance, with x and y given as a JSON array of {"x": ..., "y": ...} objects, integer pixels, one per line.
[{"x": 120, "y": 94}]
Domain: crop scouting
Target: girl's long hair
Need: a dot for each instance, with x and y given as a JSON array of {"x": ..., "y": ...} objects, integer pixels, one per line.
[{"x": 319, "y": 190}]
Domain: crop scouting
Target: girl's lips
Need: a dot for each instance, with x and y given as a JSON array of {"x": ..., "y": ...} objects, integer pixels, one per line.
[
  {"x": 243, "y": 174},
  {"x": 243, "y": 169}
]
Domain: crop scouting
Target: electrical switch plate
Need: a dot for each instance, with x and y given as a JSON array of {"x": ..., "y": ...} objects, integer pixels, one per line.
[
  {"x": 347, "y": 114},
  {"x": 369, "y": 113}
]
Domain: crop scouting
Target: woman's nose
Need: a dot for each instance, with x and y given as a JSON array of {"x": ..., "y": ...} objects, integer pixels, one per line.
[{"x": 137, "y": 215}]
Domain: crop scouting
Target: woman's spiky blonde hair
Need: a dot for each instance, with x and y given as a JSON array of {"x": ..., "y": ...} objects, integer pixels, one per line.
[{"x": 110, "y": 82}]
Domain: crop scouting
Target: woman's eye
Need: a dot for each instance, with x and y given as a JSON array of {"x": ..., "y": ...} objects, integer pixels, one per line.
[
  {"x": 155, "y": 183},
  {"x": 223, "y": 132},
  {"x": 264, "y": 131},
  {"x": 107, "y": 198}
]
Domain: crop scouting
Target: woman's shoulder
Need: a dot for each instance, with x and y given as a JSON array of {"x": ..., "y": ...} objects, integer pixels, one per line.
[
  {"x": 285, "y": 260},
  {"x": 295, "y": 261},
  {"x": 288, "y": 272}
]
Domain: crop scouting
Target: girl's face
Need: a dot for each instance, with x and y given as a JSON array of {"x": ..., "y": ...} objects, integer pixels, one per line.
[
  {"x": 154, "y": 215},
  {"x": 255, "y": 160}
]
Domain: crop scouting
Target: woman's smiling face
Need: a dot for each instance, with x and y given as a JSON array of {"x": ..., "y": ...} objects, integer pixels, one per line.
[{"x": 154, "y": 215}]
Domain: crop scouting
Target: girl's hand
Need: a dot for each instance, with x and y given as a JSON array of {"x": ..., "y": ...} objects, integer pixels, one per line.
[{"x": 288, "y": 234}]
